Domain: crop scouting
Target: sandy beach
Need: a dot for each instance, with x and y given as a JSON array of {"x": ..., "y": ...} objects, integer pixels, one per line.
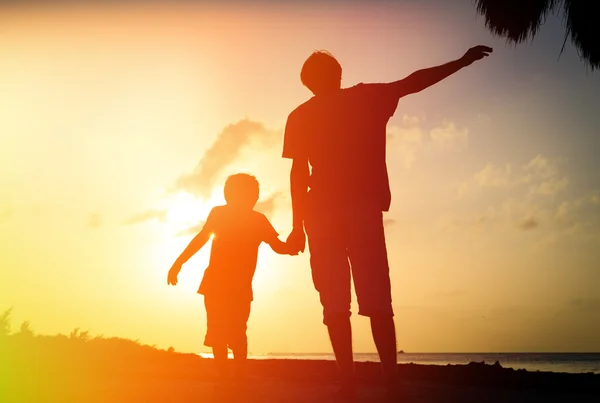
[{"x": 61, "y": 369}]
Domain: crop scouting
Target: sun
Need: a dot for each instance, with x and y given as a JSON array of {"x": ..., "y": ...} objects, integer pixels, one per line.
[
  {"x": 185, "y": 211},
  {"x": 185, "y": 214}
]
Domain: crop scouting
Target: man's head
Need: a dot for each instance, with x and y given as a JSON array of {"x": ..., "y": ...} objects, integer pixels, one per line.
[
  {"x": 241, "y": 191},
  {"x": 321, "y": 73}
]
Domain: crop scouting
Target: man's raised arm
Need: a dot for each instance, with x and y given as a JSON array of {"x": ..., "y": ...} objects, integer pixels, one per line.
[{"x": 421, "y": 79}]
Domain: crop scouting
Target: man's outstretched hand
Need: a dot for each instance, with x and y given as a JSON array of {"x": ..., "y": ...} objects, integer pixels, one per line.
[
  {"x": 476, "y": 53},
  {"x": 296, "y": 240}
]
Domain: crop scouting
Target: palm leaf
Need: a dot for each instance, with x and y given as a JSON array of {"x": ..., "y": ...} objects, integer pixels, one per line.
[{"x": 519, "y": 20}]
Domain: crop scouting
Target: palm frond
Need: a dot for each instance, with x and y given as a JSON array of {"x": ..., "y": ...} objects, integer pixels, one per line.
[
  {"x": 584, "y": 30},
  {"x": 519, "y": 20},
  {"x": 516, "y": 20}
]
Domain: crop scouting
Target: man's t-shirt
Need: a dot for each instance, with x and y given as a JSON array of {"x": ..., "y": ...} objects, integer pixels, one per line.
[
  {"x": 234, "y": 252},
  {"x": 343, "y": 136}
]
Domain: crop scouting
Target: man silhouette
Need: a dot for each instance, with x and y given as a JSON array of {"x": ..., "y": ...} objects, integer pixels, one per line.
[{"x": 339, "y": 200}]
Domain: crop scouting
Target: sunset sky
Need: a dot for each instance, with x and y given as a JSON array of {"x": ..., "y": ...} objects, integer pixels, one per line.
[{"x": 119, "y": 124}]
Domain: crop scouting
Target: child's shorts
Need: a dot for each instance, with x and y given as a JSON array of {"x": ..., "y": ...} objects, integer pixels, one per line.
[{"x": 226, "y": 322}]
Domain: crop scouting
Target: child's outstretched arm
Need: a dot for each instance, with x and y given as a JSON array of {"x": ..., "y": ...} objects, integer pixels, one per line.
[{"x": 194, "y": 246}]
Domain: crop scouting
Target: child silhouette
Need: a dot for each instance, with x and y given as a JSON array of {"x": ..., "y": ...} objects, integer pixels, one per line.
[{"x": 238, "y": 231}]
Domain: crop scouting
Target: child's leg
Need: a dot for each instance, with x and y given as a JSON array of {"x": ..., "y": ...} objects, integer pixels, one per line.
[
  {"x": 240, "y": 348},
  {"x": 215, "y": 333}
]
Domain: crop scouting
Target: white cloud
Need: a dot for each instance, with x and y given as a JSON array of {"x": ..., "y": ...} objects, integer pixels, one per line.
[
  {"x": 578, "y": 215},
  {"x": 412, "y": 136},
  {"x": 160, "y": 215},
  {"x": 191, "y": 231},
  {"x": 448, "y": 135},
  {"x": 224, "y": 151},
  {"x": 493, "y": 176},
  {"x": 530, "y": 197},
  {"x": 407, "y": 139},
  {"x": 541, "y": 176},
  {"x": 552, "y": 187}
]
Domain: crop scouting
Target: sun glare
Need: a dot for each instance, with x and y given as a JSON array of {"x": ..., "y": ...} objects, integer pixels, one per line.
[
  {"x": 185, "y": 215},
  {"x": 185, "y": 211},
  {"x": 268, "y": 271}
]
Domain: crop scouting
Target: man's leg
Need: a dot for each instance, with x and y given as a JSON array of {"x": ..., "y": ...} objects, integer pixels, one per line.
[
  {"x": 220, "y": 357},
  {"x": 370, "y": 271},
  {"x": 240, "y": 358},
  {"x": 384, "y": 335},
  {"x": 340, "y": 334},
  {"x": 331, "y": 277},
  {"x": 240, "y": 353}
]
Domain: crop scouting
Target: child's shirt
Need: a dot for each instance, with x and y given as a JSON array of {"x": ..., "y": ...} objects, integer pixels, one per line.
[{"x": 234, "y": 252}]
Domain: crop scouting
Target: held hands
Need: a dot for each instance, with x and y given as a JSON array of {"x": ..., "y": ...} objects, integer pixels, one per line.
[
  {"x": 296, "y": 241},
  {"x": 173, "y": 272},
  {"x": 290, "y": 250},
  {"x": 476, "y": 53}
]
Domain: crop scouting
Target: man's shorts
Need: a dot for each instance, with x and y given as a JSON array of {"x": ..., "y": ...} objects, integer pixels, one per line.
[
  {"x": 348, "y": 241},
  {"x": 226, "y": 322}
]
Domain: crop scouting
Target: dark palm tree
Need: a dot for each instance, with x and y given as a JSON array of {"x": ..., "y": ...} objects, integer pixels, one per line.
[{"x": 518, "y": 20}]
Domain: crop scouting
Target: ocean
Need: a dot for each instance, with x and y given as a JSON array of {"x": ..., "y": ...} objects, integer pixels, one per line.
[{"x": 545, "y": 362}]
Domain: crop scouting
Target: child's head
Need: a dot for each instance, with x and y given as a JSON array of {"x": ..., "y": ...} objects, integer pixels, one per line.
[{"x": 241, "y": 191}]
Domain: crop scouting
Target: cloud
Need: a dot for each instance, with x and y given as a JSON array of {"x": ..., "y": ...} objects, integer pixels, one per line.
[
  {"x": 528, "y": 223},
  {"x": 552, "y": 186},
  {"x": 493, "y": 176},
  {"x": 407, "y": 138},
  {"x": 529, "y": 197},
  {"x": 412, "y": 136},
  {"x": 224, "y": 151},
  {"x": 267, "y": 207},
  {"x": 448, "y": 135},
  {"x": 509, "y": 213},
  {"x": 160, "y": 215},
  {"x": 476, "y": 222},
  {"x": 193, "y": 230},
  {"x": 578, "y": 214},
  {"x": 94, "y": 221},
  {"x": 544, "y": 176},
  {"x": 388, "y": 222},
  {"x": 540, "y": 176}
]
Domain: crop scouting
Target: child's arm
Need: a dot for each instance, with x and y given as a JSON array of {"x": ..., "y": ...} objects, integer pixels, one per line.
[
  {"x": 271, "y": 237},
  {"x": 194, "y": 246},
  {"x": 280, "y": 247}
]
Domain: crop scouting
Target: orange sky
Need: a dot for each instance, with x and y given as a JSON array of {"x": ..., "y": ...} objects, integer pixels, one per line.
[{"x": 494, "y": 225}]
